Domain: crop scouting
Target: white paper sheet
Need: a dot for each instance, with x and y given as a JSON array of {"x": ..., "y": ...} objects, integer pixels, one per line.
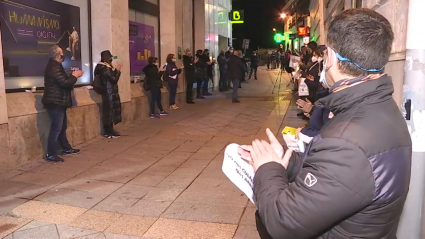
[{"x": 238, "y": 171}]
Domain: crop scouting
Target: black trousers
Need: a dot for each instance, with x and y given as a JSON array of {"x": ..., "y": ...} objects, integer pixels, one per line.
[
  {"x": 189, "y": 91},
  {"x": 199, "y": 82}
]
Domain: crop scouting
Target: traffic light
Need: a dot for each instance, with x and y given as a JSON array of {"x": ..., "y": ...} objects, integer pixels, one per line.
[{"x": 278, "y": 38}]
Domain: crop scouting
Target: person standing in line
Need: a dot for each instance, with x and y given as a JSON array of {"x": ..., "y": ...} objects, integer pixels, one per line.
[
  {"x": 254, "y": 65},
  {"x": 153, "y": 76},
  {"x": 228, "y": 54},
  {"x": 236, "y": 72},
  {"x": 208, "y": 67},
  {"x": 172, "y": 74},
  {"x": 56, "y": 100},
  {"x": 111, "y": 102},
  {"x": 189, "y": 70},
  {"x": 222, "y": 65},
  {"x": 200, "y": 66}
]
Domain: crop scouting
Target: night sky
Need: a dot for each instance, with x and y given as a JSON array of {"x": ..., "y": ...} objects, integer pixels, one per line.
[{"x": 261, "y": 16}]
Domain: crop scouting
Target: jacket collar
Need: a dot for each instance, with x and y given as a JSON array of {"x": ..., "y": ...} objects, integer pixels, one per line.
[{"x": 368, "y": 92}]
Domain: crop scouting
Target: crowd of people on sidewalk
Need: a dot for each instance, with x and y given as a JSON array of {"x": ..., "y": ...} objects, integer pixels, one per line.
[
  {"x": 199, "y": 69},
  {"x": 351, "y": 177}
]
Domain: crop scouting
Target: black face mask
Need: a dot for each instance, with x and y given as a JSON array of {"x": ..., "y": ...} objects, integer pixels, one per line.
[{"x": 62, "y": 57}]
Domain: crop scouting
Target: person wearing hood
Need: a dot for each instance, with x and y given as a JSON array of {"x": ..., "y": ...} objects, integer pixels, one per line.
[
  {"x": 189, "y": 72},
  {"x": 111, "y": 102},
  {"x": 153, "y": 77},
  {"x": 172, "y": 75}
]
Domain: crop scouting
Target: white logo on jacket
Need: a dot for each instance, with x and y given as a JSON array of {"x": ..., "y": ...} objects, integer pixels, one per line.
[{"x": 310, "y": 180}]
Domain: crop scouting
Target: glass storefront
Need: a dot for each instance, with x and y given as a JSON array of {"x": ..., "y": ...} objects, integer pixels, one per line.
[
  {"x": 217, "y": 25},
  {"x": 144, "y": 36},
  {"x": 30, "y": 28}
]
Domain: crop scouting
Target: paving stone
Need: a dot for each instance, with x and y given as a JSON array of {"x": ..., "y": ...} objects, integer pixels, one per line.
[
  {"x": 42, "y": 232},
  {"x": 67, "y": 232},
  {"x": 48, "y": 212},
  {"x": 88, "y": 185},
  {"x": 7, "y": 204},
  {"x": 131, "y": 225},
  {"x": 148, "y": 208},
  {"x": 101, "y": 174},
  {"x": 72, "y": 197},
  {"x": 35, "y": 224},
  {"x": 116, "y": 204},
  {"x": 108, "y": 235},
  {"x": 95, "y": 220},
  {"x": 10, "y": 224},
  {"x": 162, "y": 194},
  {"x": 179, "y": 229},
  {"x": 204, "y": 213},
  {"x": 42, "y": 179},
  {"x": 246, "y": 232},
  {"x": 132, "y": 191},
  {"x": 248, "y": 217}
]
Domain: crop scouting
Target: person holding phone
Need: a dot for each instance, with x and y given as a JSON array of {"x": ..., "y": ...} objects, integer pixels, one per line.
[
  {"x": 172, "y": 74},
  {"x": 153, "y": 77},
  {"x": 111, "y": 102},
  {"x": 57, "y": 98}
]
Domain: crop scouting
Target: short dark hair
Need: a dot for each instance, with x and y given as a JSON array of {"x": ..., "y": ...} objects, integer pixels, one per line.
[
  {"x": 363, "y": 36},
  {"x": 312, "y": 45},
  {"x": 170, "y": 58},
  {"x": 152, "y": 59}
]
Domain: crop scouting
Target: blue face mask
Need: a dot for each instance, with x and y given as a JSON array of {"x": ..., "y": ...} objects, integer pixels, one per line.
[{"x": 323, "y": 75}]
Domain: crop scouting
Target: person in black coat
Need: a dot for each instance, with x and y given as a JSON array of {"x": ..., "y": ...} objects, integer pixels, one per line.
[
  {"x": 254, "y": 65},
  {"x": 200, "y": 71},
  {"x": 153, "y": 78},
  {"x": 236, "y": 73},
  {"x": 57, "y": 97},
  {"x": 189, "y": 70},
  {"x": 172, "y": 77},
  {"x": 111, "y": 102},
  {"x": 222, "y": 65},
  {"x": 313, "y": 75}
]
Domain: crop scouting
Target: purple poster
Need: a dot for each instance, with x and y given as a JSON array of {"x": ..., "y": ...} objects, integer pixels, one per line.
[
  {"x": 142, "y": 46},
  {"x": 29, "y": 28}
]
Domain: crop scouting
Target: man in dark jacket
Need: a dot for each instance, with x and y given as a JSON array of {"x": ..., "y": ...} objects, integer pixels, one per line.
[
  {"x": 353, "y": 179},
  {"x": 57, "y": 97},
  {"x": 111, "y": 101},
  {"x": 228, "y": 54},
  {"x": 208, "y": 72},
  {"x": 189, "y": 72},
  {"x": 254, "y": 65},
  {"x": 222, "y": 64},
  {"x": 236, "y": 72}
]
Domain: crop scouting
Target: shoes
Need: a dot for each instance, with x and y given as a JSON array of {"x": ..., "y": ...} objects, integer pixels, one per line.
[
  {"x": 53, "y": 159},
  {"x": 154, "y": 116},
  {"x": 174, "y": 107},
  {"x": 163, "y": 113},
  {"x": 113, "y": 135},
  {"x": 190, "y": 102},
  {"x": 200, "y": 97},
  {"x": 207, "y": 94},
  {"x": 236, "y": 101},
  {"x": 72, "y": 58},
  {"x": 70, "y": 152},
  {"x": 68, "y": 49}
]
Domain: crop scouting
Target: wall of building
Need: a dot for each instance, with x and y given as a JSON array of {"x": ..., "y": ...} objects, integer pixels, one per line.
[
  {"x": 24, "y": 124},
  {"x": 394, "y": 11}
]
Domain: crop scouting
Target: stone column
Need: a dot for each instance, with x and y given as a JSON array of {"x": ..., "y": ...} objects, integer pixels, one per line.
[
  {"x": 110, "y": 29},
  {"x": 199, "y": 24},
  {"x": 3, "y": 105},
  {"x": 167, "y": 29}
]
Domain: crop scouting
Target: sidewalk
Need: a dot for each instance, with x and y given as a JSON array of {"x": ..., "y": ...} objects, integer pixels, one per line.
[{"x": 162, "y": 179}]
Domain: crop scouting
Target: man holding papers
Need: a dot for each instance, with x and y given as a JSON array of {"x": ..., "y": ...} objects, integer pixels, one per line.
[{"x": 353, "y": 179}]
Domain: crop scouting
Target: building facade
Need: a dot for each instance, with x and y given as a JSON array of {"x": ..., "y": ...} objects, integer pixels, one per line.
[{"x": 132, "y": 30}]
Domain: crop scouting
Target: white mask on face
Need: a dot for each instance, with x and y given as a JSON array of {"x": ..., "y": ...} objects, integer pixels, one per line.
[
  {"x": 314, "y": 59},
  {"x": 323, "y": 76},
  {"x": 173, "y": 60},
  {"x": 320, "y": 59}
]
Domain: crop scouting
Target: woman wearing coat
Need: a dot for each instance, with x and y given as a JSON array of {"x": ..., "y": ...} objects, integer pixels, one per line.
[
  {"x": 153, "y": 77},
  {"x": 172, "y": 75},
  {"x": 111, "y": 103}
]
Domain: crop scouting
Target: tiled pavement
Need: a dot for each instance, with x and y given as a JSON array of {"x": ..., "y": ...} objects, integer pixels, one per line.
[{"x": 162, "y": 179}]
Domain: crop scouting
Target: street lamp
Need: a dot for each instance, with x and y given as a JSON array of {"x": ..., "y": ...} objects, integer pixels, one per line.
[
  {"x": 274, "y": 29},
  {"x": 282, "y": 15}
]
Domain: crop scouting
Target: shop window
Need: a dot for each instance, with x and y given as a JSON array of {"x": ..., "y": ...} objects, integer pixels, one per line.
[
  {"x": 29, "y": 28},
  {"x": 144, "y": 34}
]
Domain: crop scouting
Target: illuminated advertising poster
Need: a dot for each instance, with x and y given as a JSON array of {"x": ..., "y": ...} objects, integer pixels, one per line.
[
  {"x": 29, "y": 28},
  {"x": 142, "y": 46}
]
